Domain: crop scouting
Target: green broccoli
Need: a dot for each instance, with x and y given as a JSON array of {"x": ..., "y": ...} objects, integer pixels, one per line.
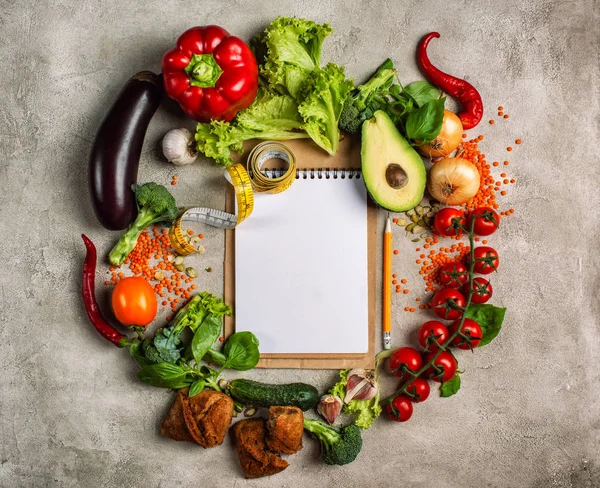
[
  {"x": 340, "y": 446},
  {"x": 357, "y": 107},
  {"x": 155, "y": 204}
]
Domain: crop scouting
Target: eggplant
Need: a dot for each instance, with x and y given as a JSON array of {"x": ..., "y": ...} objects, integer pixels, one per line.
[{"x": 115, "y": 155}]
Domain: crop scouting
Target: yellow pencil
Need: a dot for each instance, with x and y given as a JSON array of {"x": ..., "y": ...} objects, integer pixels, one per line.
[{"x": 387, "y": 285}]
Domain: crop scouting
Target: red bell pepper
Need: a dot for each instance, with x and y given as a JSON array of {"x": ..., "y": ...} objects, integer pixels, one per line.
[{"x": 212, "y": 74}]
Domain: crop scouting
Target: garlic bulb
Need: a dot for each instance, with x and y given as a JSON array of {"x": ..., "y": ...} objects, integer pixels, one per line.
[
  {"x": 329, "y": 407},
  {"x": 361, "y": 385},
  {"x": 179, "y": 147}
]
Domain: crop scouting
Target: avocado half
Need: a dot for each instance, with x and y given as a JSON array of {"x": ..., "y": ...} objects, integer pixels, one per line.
[{"x": 393, "y": 171}]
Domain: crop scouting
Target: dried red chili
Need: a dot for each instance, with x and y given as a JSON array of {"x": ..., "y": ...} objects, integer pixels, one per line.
[
  {"x": 462, "y": 90},
  {"x": 105, "y": 329}
]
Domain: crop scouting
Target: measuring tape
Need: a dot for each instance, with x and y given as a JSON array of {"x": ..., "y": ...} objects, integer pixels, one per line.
[{"x": 244, "y": 187}]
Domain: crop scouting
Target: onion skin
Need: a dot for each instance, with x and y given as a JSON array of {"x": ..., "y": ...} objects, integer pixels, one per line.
[
  {"x": 453, "y": 181},
  {"x": 447, "y": 140}
]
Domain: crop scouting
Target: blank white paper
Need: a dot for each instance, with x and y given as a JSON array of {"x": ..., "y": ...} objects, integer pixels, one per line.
[{"x": 301, "y": 268}]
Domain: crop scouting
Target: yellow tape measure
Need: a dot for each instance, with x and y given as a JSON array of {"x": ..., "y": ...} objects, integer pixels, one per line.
[{"x": 244, "y": 187}]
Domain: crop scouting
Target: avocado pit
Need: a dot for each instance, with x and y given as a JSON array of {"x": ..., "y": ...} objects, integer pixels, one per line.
[{"x": 395, "y": 176}]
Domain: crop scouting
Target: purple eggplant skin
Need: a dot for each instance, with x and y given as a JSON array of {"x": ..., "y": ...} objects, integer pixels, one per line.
[{"x": 115, "y": 155}]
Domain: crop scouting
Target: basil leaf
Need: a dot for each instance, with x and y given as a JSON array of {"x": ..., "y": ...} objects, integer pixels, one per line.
[
  {"x": 425, "y": 123},
  {"x": 205, "y": 336},
  {"x": 164, "y": 375},
  {"x": 489, "y": 318},
  {"x": 137, "y": 353},
  {"x": 422, "y": 92},
  {"x": 215, "y": 357},
  {"x": 450, "y": 387},
  {"x": 241, "y": 350},
  {"x": 197, "y": 387}
]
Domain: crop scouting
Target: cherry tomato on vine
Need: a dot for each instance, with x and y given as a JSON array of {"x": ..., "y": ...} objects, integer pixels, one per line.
[
  {"x": 445, "y": 302},
  {"x": 444, "y": 367},
  {"x": 453, "y": 275},
  {"x": 486, "y": 260},
  {"x": 418, "y": 390},
  {"x": 471, "y": 329},
  {"x": 405, "y": 357},
  {"x": 486, "y": 221},
  {"x": 431, "y": 334},
  {"x": 482, "y": 290},
  {"x": 400, "y": 409},
  {"x": 134, "y": 301},
  {"x": 447, "y": 220}
]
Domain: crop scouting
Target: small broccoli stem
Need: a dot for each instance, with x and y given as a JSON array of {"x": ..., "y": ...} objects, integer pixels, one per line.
[
  {"x": 325, "y": 433},
  {"x": 128, "y": 240}
]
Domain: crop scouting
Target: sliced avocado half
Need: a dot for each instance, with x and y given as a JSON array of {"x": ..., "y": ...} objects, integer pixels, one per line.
[{"x": 393, "y": 171}]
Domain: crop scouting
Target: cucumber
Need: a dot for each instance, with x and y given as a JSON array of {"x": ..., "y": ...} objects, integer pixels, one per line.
[{"x": 258, "y": 394}]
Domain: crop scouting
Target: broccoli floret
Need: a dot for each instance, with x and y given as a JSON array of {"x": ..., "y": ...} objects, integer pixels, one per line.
[
  {"x": 340, "y": 446},
  {"x": 155, "y": 204},
  {"x": 357, "y": 107}
]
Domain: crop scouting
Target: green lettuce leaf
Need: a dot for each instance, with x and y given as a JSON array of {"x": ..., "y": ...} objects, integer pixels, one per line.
[
  {"x": 325, "y": 92},
  {"x": 365, "y": 411}
]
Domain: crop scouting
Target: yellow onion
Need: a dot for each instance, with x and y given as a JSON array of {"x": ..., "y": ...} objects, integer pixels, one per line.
[
  {"x": 453, "y": 181},
  {"x": 447, "y": 140}
]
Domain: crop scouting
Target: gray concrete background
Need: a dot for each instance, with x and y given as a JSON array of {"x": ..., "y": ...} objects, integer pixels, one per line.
[{"x": 72, "y": 413}]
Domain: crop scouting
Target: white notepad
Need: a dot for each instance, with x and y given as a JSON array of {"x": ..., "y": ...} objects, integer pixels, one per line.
[{"x": 301, "y": 269}]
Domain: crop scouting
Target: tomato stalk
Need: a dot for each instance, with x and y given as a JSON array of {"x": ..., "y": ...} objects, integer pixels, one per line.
[{"x": 444, "y": 346}]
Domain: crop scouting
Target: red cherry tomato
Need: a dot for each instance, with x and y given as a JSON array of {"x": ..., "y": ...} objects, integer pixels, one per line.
[
  {"x": 482, "y": 290},
  {"x": 486, "y": 260},
  {"x": 471, "y": 329},
  {"x": 134, "y": 301},
  {"x": 446, "y": 221},
  {"x": 446, "y": 367},
  {"x": 486, "y": 221},
  {"x": 400, "y": 410},
  {"x": 419, "y": 390},
  {"x": 453, "y": 275},
  {"x": 445, "y": 301},
  {"x": 431, "y": 334},
  {"x": 405, "y": 357}
]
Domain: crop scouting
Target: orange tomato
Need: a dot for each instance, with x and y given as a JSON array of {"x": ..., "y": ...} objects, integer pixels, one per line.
[{"x": 134, "y": 301}]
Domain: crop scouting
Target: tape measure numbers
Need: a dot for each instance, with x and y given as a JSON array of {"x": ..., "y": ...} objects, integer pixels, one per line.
[{"x": 244, "y": 188}]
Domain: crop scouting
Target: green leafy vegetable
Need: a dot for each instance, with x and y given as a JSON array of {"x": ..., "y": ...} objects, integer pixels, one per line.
[
  {"x": 451, "y": 387},
  {"x": 196, "y": 387},
  {"x": 339, "y": 446},
  {"x": 241, "y": 351},
  {"x": 164, "y": 375},
  {"x": 425, "y": 123},
  {"x": 205, "y": 336},
  {"x": 489, "y": 318},
  {"x": 365, "y": 411},
  {"x": 422, "y": 92}
]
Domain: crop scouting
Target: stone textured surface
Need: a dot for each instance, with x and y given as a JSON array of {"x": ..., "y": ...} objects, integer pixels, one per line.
[{"x": 72, "y": 413}]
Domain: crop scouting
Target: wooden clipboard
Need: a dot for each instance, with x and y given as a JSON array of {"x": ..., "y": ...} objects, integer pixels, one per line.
[{"x": 309, "y": 155}]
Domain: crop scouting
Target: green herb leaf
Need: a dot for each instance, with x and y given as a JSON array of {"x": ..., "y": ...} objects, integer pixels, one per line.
[
  {"x": 241, "y": 350},
  {"x": 166, "y": 342},
  {"x": 137, "y": 353},
  {"x": 489, "y": 318},
  {"x": 205, "y": 336},
  {"x": 425, "y": 123},
  {"x": 422, "y": 92},
  {"x": 450, "y": 387},
  {"x": 197, "y": 387},
  {"x": 164, "y": 375}
]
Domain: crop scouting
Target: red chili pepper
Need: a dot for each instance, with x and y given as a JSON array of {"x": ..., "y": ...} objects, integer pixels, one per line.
[
  {"x": 211, "y": 74},
  {"x": 105, "y": 329},
  {"x": 462, "y": 90}
]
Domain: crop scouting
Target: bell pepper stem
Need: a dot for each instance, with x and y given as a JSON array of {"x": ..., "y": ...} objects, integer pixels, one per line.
[{"x": 203, "y": 70}]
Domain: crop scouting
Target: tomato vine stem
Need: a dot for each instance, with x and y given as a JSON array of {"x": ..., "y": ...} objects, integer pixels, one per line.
[{"x": 442, "y": 347}]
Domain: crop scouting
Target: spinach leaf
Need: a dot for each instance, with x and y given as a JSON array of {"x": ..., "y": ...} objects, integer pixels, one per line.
[
  {"x": 166, "y": 342},
  {"x": 197, "y": 387},
  {"x": 164, "y": 375},
  {"x": 422, "y": 92},
  {"x": 205, "y": 336},
  {"x": 489, "y": 318},
  {"x": 425, "y": 123},
  {"x": 451, "y": 387},
  {"x": 241, "y": 350}
]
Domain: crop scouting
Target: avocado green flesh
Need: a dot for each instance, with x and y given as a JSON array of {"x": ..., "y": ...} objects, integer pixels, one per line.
[{"x": 383, "y": 145}]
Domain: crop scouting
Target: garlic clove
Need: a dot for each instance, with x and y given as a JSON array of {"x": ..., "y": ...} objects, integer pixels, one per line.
[
  {"x": 361, "y": 385},
  {"x": 179, "y": 147},
  {"x": 329, "y": 407}
]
